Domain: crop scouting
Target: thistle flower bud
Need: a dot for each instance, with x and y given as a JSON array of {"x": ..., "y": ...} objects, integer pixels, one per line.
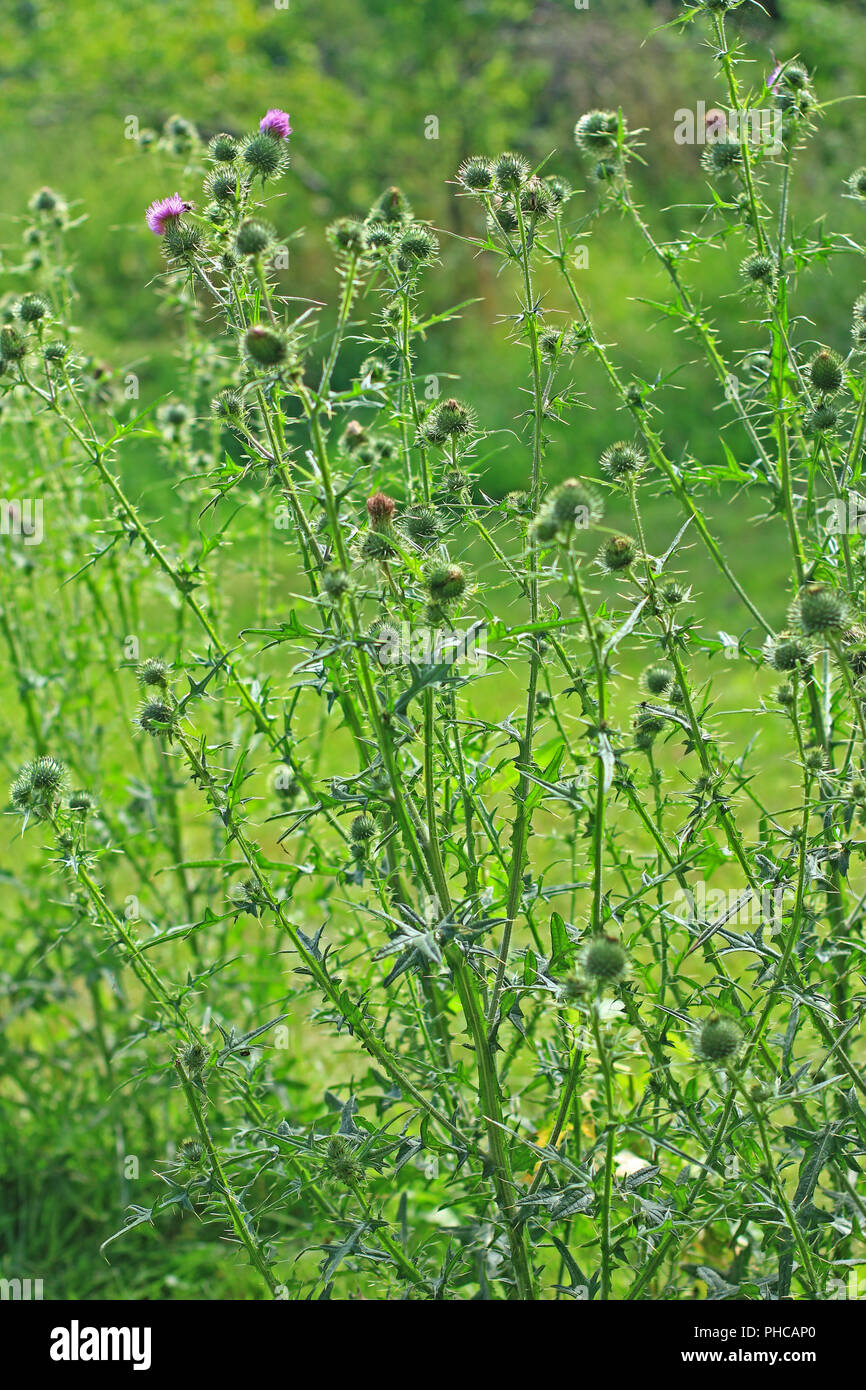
[
  {"x": 193, "y": 1057},
  {"x": 13, "y": 344},
  {"x": 248, "y": 897},
  {"x": 446, "y": 420},
  {"x": 37, "y": 789},
  {"x": 265, "y": 346},
  {"x": 376, "y": 370},
  {"x": 223, "y": 149},
  {"x": 647, "y": 728},
  {"x": 796, "y": 77},
  {"x": 416, "y": 246},
  {"x": 228, "y": 405},
  {"x": 348, "y": 236},
  {"x": 264, "y": 156},
  {"x": 550, "y": 343},
  {"x": 822, "y": 420},
  {"x": 605, "y": 170},
  {"x": 476, "y": 173},
  {"x": 618, "y": 553},
  {"x": 815, "y": 761},
  {"x": 446, "y": 584},
  {"x": 377, "y": 545},
  {"x": 510, "y": 172},
  {"x": 55, "y": 351},
  {"x": 574, "y": 504},
  {"x": 353, "y": 436},
  {"x": 391, "y": 206},
  {"x": 673, "y": 593},
  {"x": 153, "y": 672},
  {"x": 787, "y": 652},
  {"x": 363, "y": 828},
  {"x": 657, "y": 680},
  {"x": 181, "y": 240},
  {"x": 504, "y": 217},
  {"x": 32, "y": 308},
  {"x": 722, "y": 156},
  {"x": 604, "y": 961},
  {"x": 157, "y": 718},
  {"x": 623, "y": 462},
  {"x": 342, "y": 1167},
  {"x": 335, "y": 583},
  {"x": 560, "y": 191},
  {"x": 421, "y": 525},
  {"x": 46, "y": 200},
  {"x": 759, "y": 270},
  {"x": 380, "y": 235},
  {"x": 221, "y": 185},
  {"x": 857, "y": 184},
  {"x": 819, "y": 609},
  {"x": 545, "y": 527},
  {"x": 719, "y": 1040},
  {"x": 596, "y": 131},
  {"x": 181, "y": 132},
  {"x": 191, "y": 1152},
  {"x": 80, "y": 803},
  {"x": 380, "y": 510},
  {"x": 825, "y": 371},
  {"x": 536, "y": 199},
  {"x": 785, "y": 695},
  {"x": 253, "y": 237}
]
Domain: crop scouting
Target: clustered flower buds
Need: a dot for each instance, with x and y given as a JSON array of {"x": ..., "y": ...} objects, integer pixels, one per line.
[{"x": 38, "y": 788}]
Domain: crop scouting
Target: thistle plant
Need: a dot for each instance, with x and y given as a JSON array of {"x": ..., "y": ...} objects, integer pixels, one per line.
[{"x": 434, "y": 920}]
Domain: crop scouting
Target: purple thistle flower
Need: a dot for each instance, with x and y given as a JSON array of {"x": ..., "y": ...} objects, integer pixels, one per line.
[
  {"x": 165, "y": 210},
  {"x": 778, "y": 69},
  {"x": 276, "y": 122}
]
